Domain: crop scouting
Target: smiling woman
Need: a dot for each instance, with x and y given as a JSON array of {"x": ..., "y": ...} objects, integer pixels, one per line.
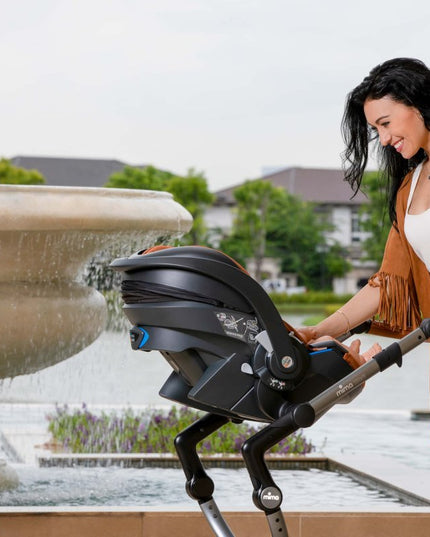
[{"x": 392, "y": 106}]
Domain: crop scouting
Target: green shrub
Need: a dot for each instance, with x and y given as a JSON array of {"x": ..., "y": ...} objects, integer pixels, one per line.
[{"x": 310, "y": 297}]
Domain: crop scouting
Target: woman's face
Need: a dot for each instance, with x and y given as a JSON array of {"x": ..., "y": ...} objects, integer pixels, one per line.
[{"x": 397, "y": 125}]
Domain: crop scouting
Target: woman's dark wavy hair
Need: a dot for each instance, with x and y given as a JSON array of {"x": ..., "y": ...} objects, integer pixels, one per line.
[{"x": 405, "y": 80}]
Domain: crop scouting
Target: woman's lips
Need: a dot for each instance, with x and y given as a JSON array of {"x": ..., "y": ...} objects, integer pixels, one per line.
[{"x": 398, "y": 146}]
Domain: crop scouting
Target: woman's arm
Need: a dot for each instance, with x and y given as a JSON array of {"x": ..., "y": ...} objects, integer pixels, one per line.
[{"x": 360, "y": 308}]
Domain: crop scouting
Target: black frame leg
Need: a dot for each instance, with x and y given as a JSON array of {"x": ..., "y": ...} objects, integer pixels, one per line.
[
  {"x": 267, "y": 496},
  {"x": 199, "y": 485}
]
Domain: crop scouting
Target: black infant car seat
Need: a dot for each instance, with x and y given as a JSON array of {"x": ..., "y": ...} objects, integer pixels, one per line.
[{"x": 234, "y": 357}]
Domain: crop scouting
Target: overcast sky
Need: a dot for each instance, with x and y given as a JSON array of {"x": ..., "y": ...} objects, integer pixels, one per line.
[{"x": 228, "y": 87}]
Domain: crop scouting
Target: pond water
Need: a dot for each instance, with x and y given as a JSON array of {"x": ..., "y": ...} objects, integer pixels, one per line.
[{"x": 113, "y": 486}]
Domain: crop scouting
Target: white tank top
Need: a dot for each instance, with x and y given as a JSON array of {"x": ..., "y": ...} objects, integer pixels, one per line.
[{"x": 417, "y": 226}]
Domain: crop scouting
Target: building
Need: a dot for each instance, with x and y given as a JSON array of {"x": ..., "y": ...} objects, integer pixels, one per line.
[
  {"x": 333, "y": 198},
  {"x": 59, "y": 171}
]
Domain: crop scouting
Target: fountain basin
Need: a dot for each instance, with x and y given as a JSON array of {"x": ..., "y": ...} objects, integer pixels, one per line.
[{"x": 48, "y": 235}]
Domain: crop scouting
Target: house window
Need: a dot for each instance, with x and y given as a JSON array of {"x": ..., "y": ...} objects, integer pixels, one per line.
[{"x": 355, "y": 221}]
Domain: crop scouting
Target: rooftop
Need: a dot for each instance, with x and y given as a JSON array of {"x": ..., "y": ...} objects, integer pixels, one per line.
[
  {"x": 317, "y": 185},
  {"x": 64, "y": 171}
]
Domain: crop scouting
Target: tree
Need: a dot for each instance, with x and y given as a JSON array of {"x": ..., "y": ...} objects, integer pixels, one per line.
[
  {"x": 271, "y": 222},
  {"x": 248, "y": 238},
  {"x": 297, "y": 235},
  {"x": 192, "y": 192},
  {"x": 12, "y": 175},
  {"x": 374, "y": 216},
  {"x": 148, "y": 178}
]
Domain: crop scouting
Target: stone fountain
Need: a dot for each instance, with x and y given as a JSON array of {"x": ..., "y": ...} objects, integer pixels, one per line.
[{"x": 47, "y": 237}]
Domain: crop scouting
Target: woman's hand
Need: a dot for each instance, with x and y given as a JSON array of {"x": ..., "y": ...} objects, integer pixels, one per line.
[
  {"x": 352, "y": 352},
  {"x": 353, "y": 356},
  {"x": 308, "y": 334}
]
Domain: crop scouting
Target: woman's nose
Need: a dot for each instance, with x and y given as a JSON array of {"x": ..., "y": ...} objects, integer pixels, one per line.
[{"x": 384, "y": 138}]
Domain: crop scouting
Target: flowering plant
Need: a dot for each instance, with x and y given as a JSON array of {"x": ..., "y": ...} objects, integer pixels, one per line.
[{"x": 82, "y": 431}]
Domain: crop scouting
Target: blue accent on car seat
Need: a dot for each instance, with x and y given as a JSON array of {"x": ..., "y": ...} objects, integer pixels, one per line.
[
  {"x": 319, "y": 352},
  {"x": 145, "y": 337}
]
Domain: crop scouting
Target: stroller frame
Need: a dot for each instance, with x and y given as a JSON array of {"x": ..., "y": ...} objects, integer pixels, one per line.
[{"x": 283, "y": 380}]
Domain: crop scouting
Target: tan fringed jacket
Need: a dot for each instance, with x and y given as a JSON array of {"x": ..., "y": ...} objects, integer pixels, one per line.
[{"x": 403, "y": 279}]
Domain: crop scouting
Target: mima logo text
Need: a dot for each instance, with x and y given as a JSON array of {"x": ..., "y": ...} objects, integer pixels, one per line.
[
  {"x": 344, "y": 389},
  {"x": 270, "y": 496}
]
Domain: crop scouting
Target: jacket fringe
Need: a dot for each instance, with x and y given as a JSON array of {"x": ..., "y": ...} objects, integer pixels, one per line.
[{"x": 398, "y": 309}]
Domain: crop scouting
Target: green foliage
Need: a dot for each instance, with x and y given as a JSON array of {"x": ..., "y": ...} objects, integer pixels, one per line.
[
  {"x": 374, "y": 216},
  {"x": 148, "y": 178},
  {"x": 335, "y": 261},
  {"x": 82, "y": 431},
  {"x": 310, "y": 297},
  {"x": 297, "y": 236},
  {"x": 12, "y": 175},
  {"x": 190, "y": 191},
  {"x": 270, "y": 222},
  {"x": 116, "y": 320},
  {"x": 254, "y": 201}
]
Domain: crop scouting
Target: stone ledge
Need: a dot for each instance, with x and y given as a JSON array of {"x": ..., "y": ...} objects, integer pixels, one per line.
[
  {"x": 408, "y": 484},
  {"x": 113, "y": 523},
  {"x": 158, "y": 460}
]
